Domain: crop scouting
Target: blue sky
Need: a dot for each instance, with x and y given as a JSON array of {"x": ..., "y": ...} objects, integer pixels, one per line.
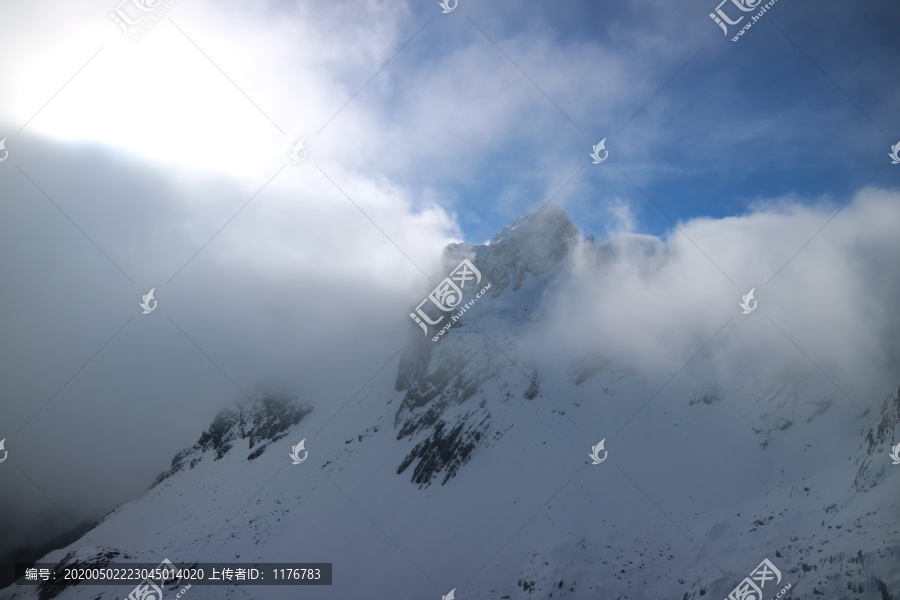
[
  {"x": 756, "y": 119},
  {"x": 803, "y": 106}
]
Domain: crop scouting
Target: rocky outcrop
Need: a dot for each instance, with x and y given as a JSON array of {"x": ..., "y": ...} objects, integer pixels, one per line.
[
  {"x": 261, "y": 421},
  {"x": 877, "y": 444}
]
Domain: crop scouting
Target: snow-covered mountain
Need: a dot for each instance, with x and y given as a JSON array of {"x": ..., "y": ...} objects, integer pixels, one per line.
[{"x": 464, "y": 465}]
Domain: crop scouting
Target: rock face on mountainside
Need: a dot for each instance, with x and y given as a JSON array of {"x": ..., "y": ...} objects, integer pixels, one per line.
[
  {"x": 83, "y": 558},
  {"x": 261, "y": 421},
  {"x": 885, "y": 433},
  {"x": 529, "y": 246},
  {"x": 440, "y": 380}
]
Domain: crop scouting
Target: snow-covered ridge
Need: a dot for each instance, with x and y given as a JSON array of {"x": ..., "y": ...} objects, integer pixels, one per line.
[{"x": 466, "y": 468}]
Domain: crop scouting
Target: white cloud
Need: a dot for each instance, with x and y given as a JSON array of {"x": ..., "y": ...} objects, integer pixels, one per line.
[{"x": 656, "y": 302}]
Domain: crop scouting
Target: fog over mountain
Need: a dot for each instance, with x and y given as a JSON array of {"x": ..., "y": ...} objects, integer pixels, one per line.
[
  {"x": 463, "y": 463},
  {"x": 519, "y": 300}
]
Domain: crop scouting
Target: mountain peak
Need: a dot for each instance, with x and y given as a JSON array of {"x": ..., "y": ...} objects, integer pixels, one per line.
[
  {"x": 548, "y": 221},
  {"x": 437, "y": 383},
  {"x": 529, "y": 245}
]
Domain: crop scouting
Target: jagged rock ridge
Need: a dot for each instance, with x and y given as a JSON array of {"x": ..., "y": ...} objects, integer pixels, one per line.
[
  {"x": 261, "y": 421},
  {"x": 878, "y": 440},
  {"x": 437, "y": 378}
]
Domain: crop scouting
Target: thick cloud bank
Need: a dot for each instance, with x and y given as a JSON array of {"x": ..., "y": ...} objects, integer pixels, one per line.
[{"x": 826, "y": 289}]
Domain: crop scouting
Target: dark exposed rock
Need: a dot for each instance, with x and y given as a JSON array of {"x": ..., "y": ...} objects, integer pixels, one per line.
[
  {"x": 445, "y": 450},
  {"x": 707, "y": 396},
  {"x": 534, "y": 388},
  {"x": 75, "y": 560},
  {"x": 263, "y": 420},
  {"x": 877, "y": 444}
]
